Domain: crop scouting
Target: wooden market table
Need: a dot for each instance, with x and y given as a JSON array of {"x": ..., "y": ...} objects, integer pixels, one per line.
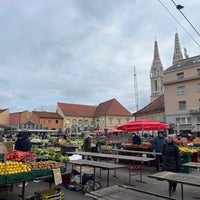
[
  {"x": 95, "y": 164},
  {"x": 141, "y": 153},
  {"x": 192, "y": 165},
  {"x": 116, "y": 157},
  {"x": 120, "y": 192},
  {"x": 187, "y": 179}
]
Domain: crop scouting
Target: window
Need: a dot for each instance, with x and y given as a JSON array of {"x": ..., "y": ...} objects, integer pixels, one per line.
[
  {"x": 198, "y": 72},
  {"x": 80, "y": 122},
  {"x": 198, "y": 120},
  {"x": 49, "y": 121},
  {"x": 156, "y": 85},
  {"x": 198, "y": 87},
  {"x": 56, "y": 121},
  {"x": 184, "y": 120},
  {"x": 119, "y": 121},
  {"x": 180, "y": 76},
  {"x": 182, "y": 105},
  {"x": 110, "y": 121},
  {"x": 86, "y": 122},
  {"x": 181, "y": 90},
  {"x": 74, "y": 122}
]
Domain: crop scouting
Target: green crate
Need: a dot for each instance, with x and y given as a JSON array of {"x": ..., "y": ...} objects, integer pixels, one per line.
[
  {"x": 63, "y": 169},
  {"x": 14, "y": 178},
  {"x": 186, "y": 170},
  {"x": 2, "y": 180}
]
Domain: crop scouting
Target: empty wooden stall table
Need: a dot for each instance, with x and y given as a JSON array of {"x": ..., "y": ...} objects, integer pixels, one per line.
[
  {"x": 192, "y": 165},
  {"x": 181, "y": 178},
  {"x": 96, "y": 164},
  {"x": 115, "y": 157},
  {"x": 119, "y": 192}
]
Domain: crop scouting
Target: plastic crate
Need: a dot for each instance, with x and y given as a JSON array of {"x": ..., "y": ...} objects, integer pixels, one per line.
[
  {"x": 14, "y": 178},
  {"x": 49, "y": 194},
  {"x": 74, "y": 186},
  {"x": 2, "y": 180}
]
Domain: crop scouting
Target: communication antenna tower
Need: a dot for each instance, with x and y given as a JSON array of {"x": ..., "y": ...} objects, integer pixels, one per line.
[{"x": 136, "y": 90}]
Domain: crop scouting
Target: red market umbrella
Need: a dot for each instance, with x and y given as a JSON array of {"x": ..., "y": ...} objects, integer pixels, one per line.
[{"x": 142, "y": 125}]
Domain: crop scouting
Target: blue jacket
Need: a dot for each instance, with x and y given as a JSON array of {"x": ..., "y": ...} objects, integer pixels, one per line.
[
  {"x": 23, "y": 143},
  {"x": 159, "y": 142}
]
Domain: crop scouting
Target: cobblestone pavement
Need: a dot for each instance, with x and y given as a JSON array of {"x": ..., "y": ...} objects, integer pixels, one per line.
[{"x": 152, "y": 185}]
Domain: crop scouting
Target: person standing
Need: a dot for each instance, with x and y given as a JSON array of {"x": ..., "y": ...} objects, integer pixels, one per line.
[
  {"x": 136, "y": 139},
  {"x": 158, "y": 144},
  {"x": 23, "y": 143},
  {"x": 171, "y": 161}
]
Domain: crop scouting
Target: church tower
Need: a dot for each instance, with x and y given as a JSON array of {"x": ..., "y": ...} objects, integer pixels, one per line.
[
  {"x": 156, "y": 75},
  {"x": 177, "y": 50}
]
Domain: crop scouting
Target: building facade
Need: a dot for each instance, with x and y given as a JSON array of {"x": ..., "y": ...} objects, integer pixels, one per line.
[
  {"x": 47, "y": 120},
  {"x": 182, "y": 94},
  {"x": 79, "y": 118}
]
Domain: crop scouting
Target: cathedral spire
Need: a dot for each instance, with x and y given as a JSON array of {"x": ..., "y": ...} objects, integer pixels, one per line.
[
  {"x": 177, "y": 50},
  {"x": 156, "y": 74}
]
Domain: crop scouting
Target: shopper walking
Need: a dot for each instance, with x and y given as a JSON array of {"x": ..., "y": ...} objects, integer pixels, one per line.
[
  {"x": 158, "y": 144},
  {"x": 171, "y": 160}
]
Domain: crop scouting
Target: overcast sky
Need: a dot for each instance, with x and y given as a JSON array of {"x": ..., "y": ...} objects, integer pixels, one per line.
[{"x": 84, "y": 51}]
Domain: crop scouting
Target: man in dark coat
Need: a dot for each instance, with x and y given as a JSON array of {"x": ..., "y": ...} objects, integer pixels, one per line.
[
  {"x": 136, "y": 139},
  {"x": 23, "y": 143},
  {"x": 171, "y": 160}
]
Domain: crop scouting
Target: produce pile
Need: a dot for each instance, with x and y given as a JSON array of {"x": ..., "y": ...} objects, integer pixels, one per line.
[
  {"x": 52, "y": 155},
  {"x": 13, "y": 168},
  {"x": 20, "y": 156},
  {"x": 73, "y": 142},
  {"x": 42, "y": 165},
  {"x": 187, "y": 150}
]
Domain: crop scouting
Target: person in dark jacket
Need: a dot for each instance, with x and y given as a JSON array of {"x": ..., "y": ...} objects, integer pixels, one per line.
[
  {"x": 158, "y": 144},
  {"x": 171, "y": 160},
  {"x": 23, "y": 143},
  {"x": 136, "y": 139}
]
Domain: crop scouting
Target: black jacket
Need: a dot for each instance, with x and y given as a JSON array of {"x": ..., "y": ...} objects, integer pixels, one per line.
[
  {"x": 23, "y": 143},
  {"x": 136, "y": 140},
  {"x": 171, "y": 158}
]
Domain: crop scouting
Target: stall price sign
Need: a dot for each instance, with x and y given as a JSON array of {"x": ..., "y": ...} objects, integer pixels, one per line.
[{"x": 57, "y": 176}]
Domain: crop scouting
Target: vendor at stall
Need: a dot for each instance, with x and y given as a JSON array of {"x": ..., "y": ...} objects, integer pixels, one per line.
[{"x": 136, "y": 139}]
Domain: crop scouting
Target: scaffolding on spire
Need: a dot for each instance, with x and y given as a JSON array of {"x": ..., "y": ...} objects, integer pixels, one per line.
[{"x": 136, "y": 90}]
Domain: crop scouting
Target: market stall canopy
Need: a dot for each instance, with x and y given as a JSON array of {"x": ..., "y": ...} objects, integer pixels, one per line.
[
  {"x": 114, "y": 131},
  {"x": 143, "y": 125}
]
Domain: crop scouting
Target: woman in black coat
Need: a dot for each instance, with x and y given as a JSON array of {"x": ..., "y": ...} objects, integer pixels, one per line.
[
  {"x": 23, "y": 143},
  {"x": 171, "y": 160}
]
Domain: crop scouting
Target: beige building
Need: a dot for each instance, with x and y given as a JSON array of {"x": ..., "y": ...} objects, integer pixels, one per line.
[
  {"x": 80, "y": 118},
  {"x": 182, "y": 94},
  {"x": 4, "y": 117}
]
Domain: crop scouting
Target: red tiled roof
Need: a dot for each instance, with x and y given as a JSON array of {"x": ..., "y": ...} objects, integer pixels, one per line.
[
  {"x": 44, "y": 114},
  {"x": 112, "y": 107},
  {"x": 154, "y": 107},
  {"x": 77, "y": 110}
]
